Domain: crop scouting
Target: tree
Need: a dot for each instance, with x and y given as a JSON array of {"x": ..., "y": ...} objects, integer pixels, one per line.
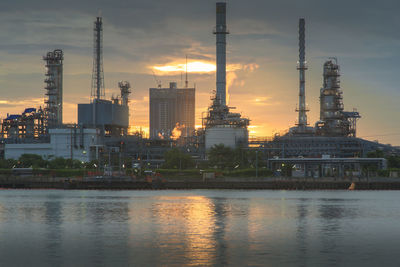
[
  {"x": 31, "y": 160},
  {"x": 375, "y": 154},
  {"x": 57, "y": 163},
  {"x": 94, "y": 164},
  {"x": 8, "y": 163},
  {"x": 176, "y": 159},
  {"x": 73, "y": 164},
  {"x": 221, "y": 156},
  {"x": 393, "y": 162}
]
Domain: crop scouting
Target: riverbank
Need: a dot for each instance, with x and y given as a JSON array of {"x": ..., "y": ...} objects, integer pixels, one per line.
[{"x": 126, "y": 183}]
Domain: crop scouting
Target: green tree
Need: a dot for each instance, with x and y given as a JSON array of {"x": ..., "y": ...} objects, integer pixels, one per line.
[
  {"x": 94, "y": 164},
  {"x": 375, "y": 154},
  {"x": 176, "y": 159},
  {"x": 393, "y": 162},
  {"x": 223, "y": 157},
  {"x": 73, "y": 164},
  {"x": 31, "y": 160},
  {"x": 8, "y": 163},
  {"x": 57, "y": 163}
]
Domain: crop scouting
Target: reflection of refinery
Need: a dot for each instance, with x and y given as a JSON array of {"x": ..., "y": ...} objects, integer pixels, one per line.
[{"x": 102, "y": 127}]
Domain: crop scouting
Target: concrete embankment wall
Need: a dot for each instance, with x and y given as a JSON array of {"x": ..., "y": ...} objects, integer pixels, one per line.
[{"x": 227, "y": 183}]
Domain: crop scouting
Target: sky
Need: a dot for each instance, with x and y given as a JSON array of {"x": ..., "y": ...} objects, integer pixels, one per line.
[{"x": 146, "y": 36}]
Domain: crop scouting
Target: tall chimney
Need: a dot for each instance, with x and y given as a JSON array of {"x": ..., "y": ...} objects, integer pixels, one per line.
[
  {"x": 302, "y": 122},
  {"x": 98, "y": 73},
  {"x": 221, "y": 32}
]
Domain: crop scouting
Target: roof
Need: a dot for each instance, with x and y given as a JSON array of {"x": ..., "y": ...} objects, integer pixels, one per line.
[
  {"x": 13, "y": 117},
  {"x": 30, "y": 110}
]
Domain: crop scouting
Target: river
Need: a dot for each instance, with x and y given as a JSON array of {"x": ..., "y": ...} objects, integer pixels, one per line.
[{"x": 199, "y": 228}]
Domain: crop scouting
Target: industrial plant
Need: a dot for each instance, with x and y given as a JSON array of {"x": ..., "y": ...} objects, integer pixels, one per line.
[
  {"x": 102, "y": 128},
  {"x": 222, "y": 126}
]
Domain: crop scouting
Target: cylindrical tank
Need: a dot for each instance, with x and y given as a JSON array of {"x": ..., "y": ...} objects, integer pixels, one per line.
[{"x": 227, "y": 135}]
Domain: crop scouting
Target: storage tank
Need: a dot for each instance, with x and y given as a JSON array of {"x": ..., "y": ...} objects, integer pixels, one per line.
[{"x": 226, "y": 135}]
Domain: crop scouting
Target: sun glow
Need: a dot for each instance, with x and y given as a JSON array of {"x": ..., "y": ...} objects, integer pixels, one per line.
[{"x": 192, "y": 67}]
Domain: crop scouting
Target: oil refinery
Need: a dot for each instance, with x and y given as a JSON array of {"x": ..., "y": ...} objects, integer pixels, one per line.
[{"x": 102, "y": 125}]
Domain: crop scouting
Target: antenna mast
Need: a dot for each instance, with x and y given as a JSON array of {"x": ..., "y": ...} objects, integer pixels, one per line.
[{"x": 186, "y": 80}]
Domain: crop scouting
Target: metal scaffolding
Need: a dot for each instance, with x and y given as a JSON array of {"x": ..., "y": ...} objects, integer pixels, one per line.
[
  {"x": 54, "y": 87},
  {"x": 334, "y": 121},
  {"x": 30, "y": 125}
]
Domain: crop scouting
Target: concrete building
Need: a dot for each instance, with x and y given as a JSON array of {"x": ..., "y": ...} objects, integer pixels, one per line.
[
  {"x": 170, "y": 108},
  {"x": 69, "y": 143}
]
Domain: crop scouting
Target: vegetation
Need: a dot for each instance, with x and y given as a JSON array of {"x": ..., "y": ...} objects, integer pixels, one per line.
[
  {"x": 393, "y": 163},
  {"x": 176, "y": 159},
  {"x": 38, "y": 162},
  {"x": 222, "y": 160},
  {"x": 226, "y": 158}
]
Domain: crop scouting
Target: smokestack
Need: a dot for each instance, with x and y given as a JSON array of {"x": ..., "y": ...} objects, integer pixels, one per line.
[
  {"x": 302, "y": 122},
  {"x": 98, "y": 73},
  {"x": 221, "y": 32}
]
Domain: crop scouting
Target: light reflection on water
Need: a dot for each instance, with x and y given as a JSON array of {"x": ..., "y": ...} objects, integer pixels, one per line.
[{"x": 199, "y": 228}]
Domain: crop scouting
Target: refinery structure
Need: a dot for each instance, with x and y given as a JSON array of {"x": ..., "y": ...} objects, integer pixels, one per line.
[
  {"x": 221, "y": 126},
  {"x": 101, "y": 131}
]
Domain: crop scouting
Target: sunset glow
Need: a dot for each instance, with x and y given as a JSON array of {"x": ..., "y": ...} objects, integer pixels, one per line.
[{"x": 192, "y": 67}]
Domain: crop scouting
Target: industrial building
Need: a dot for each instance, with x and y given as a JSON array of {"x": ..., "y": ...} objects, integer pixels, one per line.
[
  {"x": 28, "y": 125},
  {"x": 41, "y": 131},
  {"x": 172, "y": 108},
  {"x": 33, "y": 124},
  {"x": 334, "y": 134},
  {"x": 325, "y": 166},
  {"x": 110, "y": 116},
  {"x": 220, "y": 125},
  {"x": 71, "y": 143}
]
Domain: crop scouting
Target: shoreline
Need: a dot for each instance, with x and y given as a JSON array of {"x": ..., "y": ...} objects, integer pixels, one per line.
[{"x": 123, "y": 183}]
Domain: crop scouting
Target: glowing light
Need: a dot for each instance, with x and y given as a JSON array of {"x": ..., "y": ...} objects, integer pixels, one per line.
[
  {"x": 192, "y": 67},
  {"x": 177, "y": 131}
]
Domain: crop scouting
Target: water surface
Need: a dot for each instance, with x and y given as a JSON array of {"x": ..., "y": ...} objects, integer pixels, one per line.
[{"x": 199, "y": 228}]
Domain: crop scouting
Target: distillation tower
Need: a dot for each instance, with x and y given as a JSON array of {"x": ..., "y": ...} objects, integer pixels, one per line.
[
  {"x": 334, "y": 121},
  {"x": 125, "y": 88},
  {"x": 221, "y": 125},
  {"x": 54, "y": 87}
]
